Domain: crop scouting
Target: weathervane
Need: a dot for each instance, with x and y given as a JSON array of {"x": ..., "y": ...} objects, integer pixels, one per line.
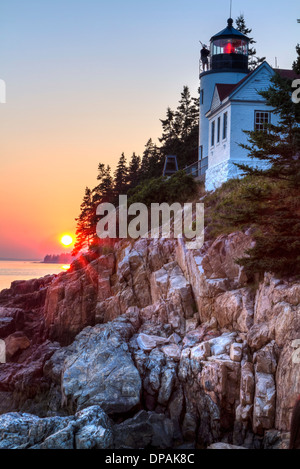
[{"x": 230, "y": 8}]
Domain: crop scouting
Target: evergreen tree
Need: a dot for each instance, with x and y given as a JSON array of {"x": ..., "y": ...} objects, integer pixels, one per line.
[
  {"x": 152, "y": 162},
  {"x": 103, "y": 192},
  {"x": 296, "y": 64},
  {"x": 187, "y": 114},
  {"x": 85, "y": 230},
  {"x": 121, "y": 177},
  {"x": 277, "y": 237},
  {"x": 181, "y": 130},
  {"x": 254, "y": 61},
  {"x": 133, "y": 176}
]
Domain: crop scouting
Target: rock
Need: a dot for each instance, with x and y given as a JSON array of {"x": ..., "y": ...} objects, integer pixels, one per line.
[
  {"x": 172, "y": 351},
  {"x": 191, "y": 325},
  {"x": 7, "y": 327},
  {"x": 201, "y": 352},
  {"x": 265, "y": 359},
  {"x": 264, "y": 402},
  {"x": 235, "y": 310},
  {"x": 90, "y": 429},
  {"x": 146, "y": 429},
  {"x": 95, "y": 429},
  {"x": 22, "y": 431},
  {"x": 287, "y": 386},
  {"x": 221, "y": 345},
  {"x": 15, "y": 343},
  {"x": 219, "y": 261},
  {"x": 148, "y": 343},
  {"x": 98, "y": 369},
  {"x": 170, "y": 283},
  {"x": 236, "y": 352},
  {"x": 224, "y": 446}
]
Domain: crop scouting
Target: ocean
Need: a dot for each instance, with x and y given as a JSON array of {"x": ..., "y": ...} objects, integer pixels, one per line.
[{"x": 25, "y": 270}]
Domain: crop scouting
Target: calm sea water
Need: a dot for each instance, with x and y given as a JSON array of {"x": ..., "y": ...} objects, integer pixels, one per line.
[{"x": 25, "y": 270}]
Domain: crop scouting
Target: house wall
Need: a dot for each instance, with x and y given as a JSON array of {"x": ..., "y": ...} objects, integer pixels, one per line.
[
  {"x": 241, "y": 116},
  {"x": 221, "y": 151},
  {"x": 208, "y": 81}
]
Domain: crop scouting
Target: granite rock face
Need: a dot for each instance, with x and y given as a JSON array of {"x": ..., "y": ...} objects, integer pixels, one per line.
[{"x": 152, "y": 346}]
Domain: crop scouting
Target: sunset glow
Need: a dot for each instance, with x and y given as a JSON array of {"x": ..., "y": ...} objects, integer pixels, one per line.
[{"x": 66, "y": 240}]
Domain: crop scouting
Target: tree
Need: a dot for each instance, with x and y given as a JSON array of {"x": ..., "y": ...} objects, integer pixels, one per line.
[
  {"x": 296, "y": 64},
  {"x": 85, "y": 230},
  {"x": 181, "y": 130},
  {"x": 277, "y": 237},
  {"x": 133, "y": 175},
  {"x": 254, "y": 61},
  {"x": 152, "y": 162},
  {"x": 120, "y": 177},
  {"x": 103, "y": 192},
  {"x": 278, "y": 145}
]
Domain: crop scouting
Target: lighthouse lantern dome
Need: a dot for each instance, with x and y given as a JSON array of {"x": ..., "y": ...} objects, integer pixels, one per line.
[{"x": 229, "y": 49}]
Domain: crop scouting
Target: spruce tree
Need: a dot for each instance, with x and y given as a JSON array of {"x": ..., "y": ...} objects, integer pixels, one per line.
[
  {"x": 254, "y": 61},
  {"x": 133, "y": 176},
  {"x": 85, "y": 230},
  {"x": 277, "y": 221},
  {"x": 152, "y": 162},
  {"x": 121, "y": 177}
]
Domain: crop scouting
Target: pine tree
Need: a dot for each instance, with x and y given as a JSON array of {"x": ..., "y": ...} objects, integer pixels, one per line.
[
  {"x": 181, "y": 130},
  {"x": 278, "y": 145},
  {"x": 296, "y": 64},
  {"x": 152, "y": 162},
  {"x": 254, "y": 61},
  {"x": 187, "y": 114},
  {"x": 120, "y": 177},
  {"x": 133, "y": 176},
  {"x": 104, "y": 191},
  {"x": 85, "y": 230},
  {"x": 277, "y": 247}
]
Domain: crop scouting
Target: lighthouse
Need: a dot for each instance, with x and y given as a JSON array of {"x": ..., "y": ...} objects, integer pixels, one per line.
[{"x": 228, "y": 65}]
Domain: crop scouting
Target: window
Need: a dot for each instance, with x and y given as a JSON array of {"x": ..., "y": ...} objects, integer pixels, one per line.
[
  {"x": 201, "y": 96},
  {"x": 261, "y": 119},
  {"x": 201, "y": 152},
  {"x": 213, "y": 126},
  {"x": 225, "y": 125},
  {"x": 219, "y": 130}
]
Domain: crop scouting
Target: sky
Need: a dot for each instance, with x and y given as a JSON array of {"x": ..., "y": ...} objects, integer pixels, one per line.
[{"x": 89, "y": 79}]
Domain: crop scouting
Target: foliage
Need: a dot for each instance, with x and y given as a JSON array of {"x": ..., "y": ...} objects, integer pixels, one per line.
[
  {"x": 254, "y": 61},
  {"x": 178, "y": 188},
  {"x": 142, "y": 178},
  {"x": 267, "y": 200}
]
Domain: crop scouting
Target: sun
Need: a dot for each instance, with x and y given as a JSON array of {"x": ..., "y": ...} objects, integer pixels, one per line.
[{"x": 66, "y": 240}]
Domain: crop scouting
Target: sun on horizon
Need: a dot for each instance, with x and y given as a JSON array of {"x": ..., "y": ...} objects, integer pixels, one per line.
[{"x": 66, "y": 240}]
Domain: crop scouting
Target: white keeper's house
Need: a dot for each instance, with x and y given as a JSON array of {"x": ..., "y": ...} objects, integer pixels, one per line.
[{"x": 230, "y": 104}]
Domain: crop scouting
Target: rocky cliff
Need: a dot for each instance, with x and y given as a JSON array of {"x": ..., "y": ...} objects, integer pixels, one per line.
[{"x": 151, "y": 346}]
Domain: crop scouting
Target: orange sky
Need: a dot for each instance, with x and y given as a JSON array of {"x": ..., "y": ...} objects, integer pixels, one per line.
[{"x": 89, "y": 79}]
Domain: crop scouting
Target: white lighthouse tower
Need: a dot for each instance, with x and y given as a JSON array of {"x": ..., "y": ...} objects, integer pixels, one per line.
[{"x": 228, "y": 66}]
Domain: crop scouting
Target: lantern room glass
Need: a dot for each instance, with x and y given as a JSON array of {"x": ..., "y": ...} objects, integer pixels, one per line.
[{"x": 229, "y": 46}]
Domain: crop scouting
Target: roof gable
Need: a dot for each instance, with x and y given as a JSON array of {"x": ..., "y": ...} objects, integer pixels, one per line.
[{"x": 255, "y": 81}]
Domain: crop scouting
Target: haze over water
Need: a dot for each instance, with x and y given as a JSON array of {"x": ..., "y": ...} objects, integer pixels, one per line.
[{"x": 25, "y": 270}]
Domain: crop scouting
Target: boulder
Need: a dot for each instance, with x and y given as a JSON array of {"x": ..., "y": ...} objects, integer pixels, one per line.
[{"x": 98, "y": 369}]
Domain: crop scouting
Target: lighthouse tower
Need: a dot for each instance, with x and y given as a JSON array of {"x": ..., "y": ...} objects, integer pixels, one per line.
[{"x": 228, "y": 66}]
